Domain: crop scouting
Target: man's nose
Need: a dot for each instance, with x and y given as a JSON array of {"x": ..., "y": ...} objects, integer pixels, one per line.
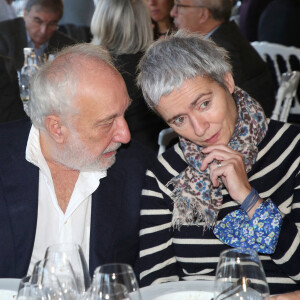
[
  {"x": 173, "y": 11},
  {"x": 122, "y": 131},
  {"x": 43, "y": 28}
]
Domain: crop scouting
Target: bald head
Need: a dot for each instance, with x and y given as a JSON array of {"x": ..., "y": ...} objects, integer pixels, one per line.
[{"x": 55, "y": 85}]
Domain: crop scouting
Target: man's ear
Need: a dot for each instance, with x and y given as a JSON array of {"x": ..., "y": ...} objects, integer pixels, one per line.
[
  {"x": 229, "y": 81},
  {"x": 55, "y": 128},
  {"x": 204, "y": 15}
]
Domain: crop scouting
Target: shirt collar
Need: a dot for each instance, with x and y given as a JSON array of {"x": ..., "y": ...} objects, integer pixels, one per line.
[{"x": 211, "y": 32}]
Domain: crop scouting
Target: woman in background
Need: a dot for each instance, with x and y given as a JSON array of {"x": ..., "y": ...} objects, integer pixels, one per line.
[
  {"x": 124, "y": 28},
  {"x": 160, "y": 14}
]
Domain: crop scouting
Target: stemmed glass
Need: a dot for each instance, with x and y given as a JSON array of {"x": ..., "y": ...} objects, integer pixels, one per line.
[
  {"x": 240, "y": 276},
  {"x": 112, "y": 292},
  {"x": 34, "y": 291},
  {"x": 115, "y": 274},
  {"x": 72, "y": 253}
]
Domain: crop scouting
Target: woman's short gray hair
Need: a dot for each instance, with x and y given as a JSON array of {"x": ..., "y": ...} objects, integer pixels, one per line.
[
  {"x": 169, "y": 62},
  {"x": 54, "y": 86},
  {"x": 123, "y": 27}
]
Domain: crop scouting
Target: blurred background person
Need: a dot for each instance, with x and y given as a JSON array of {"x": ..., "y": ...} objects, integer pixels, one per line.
[
  {"x": 7, "y": 11},
  {"x": 38, "y": 30},
  {"x": 160, "y": 14},
  {"x": 211, "y": 18},
  {"x": 124, "y": 28}
]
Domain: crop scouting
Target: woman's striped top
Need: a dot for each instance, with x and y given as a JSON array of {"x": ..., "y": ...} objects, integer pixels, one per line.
[{"x": 168, "y": 254}]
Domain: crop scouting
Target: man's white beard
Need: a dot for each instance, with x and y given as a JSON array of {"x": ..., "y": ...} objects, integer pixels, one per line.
[{"x": 76, "y": 156}]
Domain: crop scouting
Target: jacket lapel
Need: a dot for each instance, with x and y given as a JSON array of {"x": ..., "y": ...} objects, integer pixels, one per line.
[{"x": 106, "y": 209}]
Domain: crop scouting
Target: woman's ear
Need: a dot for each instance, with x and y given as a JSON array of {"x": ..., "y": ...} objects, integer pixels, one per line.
[
  {"x": 229, "y": 81},
  {"x": 54, "y": 128}
]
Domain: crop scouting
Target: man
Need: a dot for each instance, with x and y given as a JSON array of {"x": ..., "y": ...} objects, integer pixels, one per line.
[
  {"x": 11, "y": 106},
  {"x": 37, "y": 30},
  {"x": 211, "y": 18},
  {"x": 59, "y": 181}
]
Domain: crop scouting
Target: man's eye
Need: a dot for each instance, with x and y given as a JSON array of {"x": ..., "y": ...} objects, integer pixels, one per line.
[
  {"x": 178, "y": 121},
  {"x": 38, "y": 21}
]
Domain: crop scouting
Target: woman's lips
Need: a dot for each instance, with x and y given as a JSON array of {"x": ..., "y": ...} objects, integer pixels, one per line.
[{"x": 213, "y": 138}]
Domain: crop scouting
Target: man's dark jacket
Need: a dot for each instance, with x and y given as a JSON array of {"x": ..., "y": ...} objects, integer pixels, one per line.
[
  {"x": 11, "y": 106},
  {"x": 13, "y": 39},
  {"x": 115, "y": 204}
]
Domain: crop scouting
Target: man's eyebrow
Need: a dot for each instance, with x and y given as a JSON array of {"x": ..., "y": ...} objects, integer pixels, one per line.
[{"x": 105, "y": 120}]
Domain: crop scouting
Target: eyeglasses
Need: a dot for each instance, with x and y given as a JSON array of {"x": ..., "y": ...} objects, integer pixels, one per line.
[{"x": 177, "y": 5}]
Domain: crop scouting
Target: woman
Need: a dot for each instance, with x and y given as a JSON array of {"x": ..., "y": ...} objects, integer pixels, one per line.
[
  {"x": 160, "y": 14},
  {"x": 124, "y": 28},
  {"x": 226, "y": 180}
]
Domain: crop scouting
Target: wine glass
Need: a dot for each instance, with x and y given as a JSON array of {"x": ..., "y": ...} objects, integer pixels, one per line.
[
  {"x": 24, "y": 289},
  {"x": 73, "y": 254},
  {"x": 58, "y": 279},
  {"x": 33, "y": 291},
  {"x": 113, "y": 291},
  {"x": 110, "y": 274},
  {"x": 240, "y": 276}
]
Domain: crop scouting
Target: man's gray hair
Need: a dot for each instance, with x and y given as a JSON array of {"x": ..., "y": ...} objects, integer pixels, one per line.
[
  {"x": 219, "y": 9},
  {"x": 49, "y": 5},
  {"x": 123, "y": 27},
  {"x": 54, "y": 86},
  {"x": 169, "y": 62}
]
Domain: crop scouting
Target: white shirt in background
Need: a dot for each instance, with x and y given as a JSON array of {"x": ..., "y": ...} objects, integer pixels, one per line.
[{"x": 54, "y": 226}]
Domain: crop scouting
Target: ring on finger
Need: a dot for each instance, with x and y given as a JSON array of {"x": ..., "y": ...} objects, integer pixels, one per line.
[{"x": 219, "y": 164}]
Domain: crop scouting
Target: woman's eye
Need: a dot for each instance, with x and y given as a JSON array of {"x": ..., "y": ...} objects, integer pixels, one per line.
[
  {"x": 204, "y": 104},
  {"x": 178, "y": 121}
]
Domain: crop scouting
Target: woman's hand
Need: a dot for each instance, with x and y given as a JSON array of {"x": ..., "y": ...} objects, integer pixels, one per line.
[
  {"x": 232, "y": 170},
  {"x": 289, "y": 296}
]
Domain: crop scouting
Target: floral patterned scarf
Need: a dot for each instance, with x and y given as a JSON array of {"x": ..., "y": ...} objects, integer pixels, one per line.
[{"x": 195, "y": 198}]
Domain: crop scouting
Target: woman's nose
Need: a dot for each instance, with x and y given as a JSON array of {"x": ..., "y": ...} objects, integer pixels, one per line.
[{"x": 200, "y": 126}]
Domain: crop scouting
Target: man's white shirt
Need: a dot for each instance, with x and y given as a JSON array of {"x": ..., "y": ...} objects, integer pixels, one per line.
[{"x": 53, "y": 225}]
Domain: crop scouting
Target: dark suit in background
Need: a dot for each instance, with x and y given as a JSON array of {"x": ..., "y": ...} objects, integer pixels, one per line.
[
  {"x": 115, "y": 208},
  {"x": 11, "y": 106},
  {"x": 280, "y": 23},
  {"x": 13, "y": 39},
  {"x": 250, "y": 11},
  {"x": 250, "y": 72}
]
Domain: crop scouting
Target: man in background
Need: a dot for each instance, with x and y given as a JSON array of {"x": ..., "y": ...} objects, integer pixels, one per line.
[
  {"x": 38, "y": 30},
  {"x": 67, "y": 177},
  {"x": 211, "y": 18}
]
